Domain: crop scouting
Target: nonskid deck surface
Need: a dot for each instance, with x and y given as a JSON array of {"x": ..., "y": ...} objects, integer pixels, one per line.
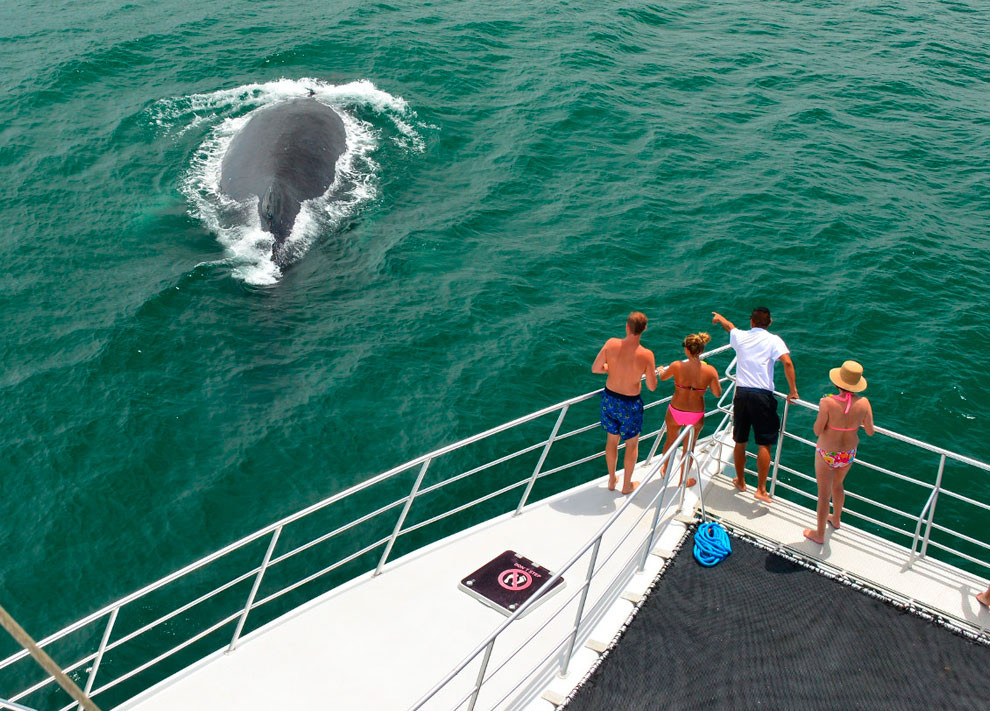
[
  {"x": 760, "y": 631},
  {"x": 382, "y": 642}
]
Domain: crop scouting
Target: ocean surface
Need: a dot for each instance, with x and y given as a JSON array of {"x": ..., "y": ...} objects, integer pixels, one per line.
[{"x": 519, "y": 176}]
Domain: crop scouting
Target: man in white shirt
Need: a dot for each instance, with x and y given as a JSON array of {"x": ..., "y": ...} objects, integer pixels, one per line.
[{"x": 754, "y": 405}]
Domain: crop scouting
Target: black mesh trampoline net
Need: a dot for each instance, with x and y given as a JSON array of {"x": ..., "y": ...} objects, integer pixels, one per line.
[{"x": 759, "y": 631}]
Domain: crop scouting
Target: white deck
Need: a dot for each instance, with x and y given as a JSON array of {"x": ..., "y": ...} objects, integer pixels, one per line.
[{"x": 380, "y": 643}]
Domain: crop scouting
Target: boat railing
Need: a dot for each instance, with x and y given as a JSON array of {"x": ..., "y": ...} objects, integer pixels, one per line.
[
  {"x": 785, "y": 478},
  {"x": 662, "y": 516},
  {"x": 4, "y": 704},
  {"x": 86, "y": 669},
  {"x": 720, "y": 439},
  {"x": 919, "y": 527}
]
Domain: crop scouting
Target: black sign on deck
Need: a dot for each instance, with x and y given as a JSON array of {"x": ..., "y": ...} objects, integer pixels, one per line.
[{"x": 509, "y": 580}]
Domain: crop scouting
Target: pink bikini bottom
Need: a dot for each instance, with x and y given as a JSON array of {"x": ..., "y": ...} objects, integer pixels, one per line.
[{"x": 683, "y": 417}]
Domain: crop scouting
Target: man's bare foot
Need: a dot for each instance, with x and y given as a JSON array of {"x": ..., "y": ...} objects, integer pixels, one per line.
[
  {"x": 984, "y": 598},
  {"x": 763, "y": 496},
  {"x": 612, "y": 481},
  {"x": 690, "y": 482},
  {"x": 630, "y": 489},
  {"x": 812, "y": 535},
  {"x": 833, "y": 521},
  {"x": 741, "y": 485}
]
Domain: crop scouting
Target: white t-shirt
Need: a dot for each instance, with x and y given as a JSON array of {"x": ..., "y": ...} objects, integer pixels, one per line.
[{"x": 756, "y": 351}]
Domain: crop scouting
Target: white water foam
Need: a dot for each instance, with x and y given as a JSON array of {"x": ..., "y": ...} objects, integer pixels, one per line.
[{"x": 237, "y": 226}]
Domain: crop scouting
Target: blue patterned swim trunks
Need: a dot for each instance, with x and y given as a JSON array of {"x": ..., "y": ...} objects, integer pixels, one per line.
[{"x": 622, "y": 414}]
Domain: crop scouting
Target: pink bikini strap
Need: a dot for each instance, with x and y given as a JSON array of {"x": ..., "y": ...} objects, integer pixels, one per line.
[{"x": 848, "y": 397}]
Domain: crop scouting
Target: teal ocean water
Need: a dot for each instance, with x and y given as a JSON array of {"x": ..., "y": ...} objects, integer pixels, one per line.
[{"x": 519, "y": 177}]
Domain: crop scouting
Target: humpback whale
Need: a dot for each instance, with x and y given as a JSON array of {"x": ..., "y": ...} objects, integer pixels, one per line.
[{"x": 285, "y": 154}]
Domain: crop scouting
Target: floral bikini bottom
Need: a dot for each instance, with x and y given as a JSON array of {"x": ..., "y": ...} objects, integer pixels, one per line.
[{"x": 836, "y": 460}]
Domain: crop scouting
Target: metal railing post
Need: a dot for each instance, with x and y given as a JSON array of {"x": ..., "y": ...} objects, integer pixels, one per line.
[
  {"x": 402, "y": 516},
  {"x": 656, "y": 443},
  {"x": 99, "y": 653},
  {"x": 543, "y": 457},
  {"x": 780, "y": 445},
  {"x": 656, "y": 521},
  {"x": 701, "y": 490},
  {"x": 580, "y": 611},
  {"x": 254, "y": 589},
  {"x": 481, "y": 674},
  {"x": 921, "y": 519},
  {"x": 931, "y": 511}
]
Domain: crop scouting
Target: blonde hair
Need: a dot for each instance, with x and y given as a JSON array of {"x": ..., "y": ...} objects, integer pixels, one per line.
[{"x": 695, "y": 343}]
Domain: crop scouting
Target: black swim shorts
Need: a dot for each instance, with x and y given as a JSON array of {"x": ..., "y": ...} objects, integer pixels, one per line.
[{"x": 755, "y": 408}]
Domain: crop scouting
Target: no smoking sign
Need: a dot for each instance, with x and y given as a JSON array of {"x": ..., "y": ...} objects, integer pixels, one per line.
[{"x": 508, "y": 581}]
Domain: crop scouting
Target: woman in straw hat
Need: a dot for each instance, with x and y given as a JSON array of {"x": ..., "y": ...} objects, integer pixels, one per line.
[{"x": 839, "y": 419}]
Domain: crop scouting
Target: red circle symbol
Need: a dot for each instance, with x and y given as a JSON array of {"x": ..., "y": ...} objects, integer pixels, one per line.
[{"x": 513, "y": 579}]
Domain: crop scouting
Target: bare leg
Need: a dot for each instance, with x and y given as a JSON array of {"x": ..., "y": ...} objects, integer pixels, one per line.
[
  {"x": 697, "y": 433},
  {"x": 611, "y": 458},
  {"x": 762, "y": 469},
  {"x": 838, "y": 495},
  {"x": 984, "y": 597},
  {"x": 739, "y": 459},
  {"x": 824, "y": 477},
  {"x": 632, "y": 453},
  {"x": 673, "y": 429}
]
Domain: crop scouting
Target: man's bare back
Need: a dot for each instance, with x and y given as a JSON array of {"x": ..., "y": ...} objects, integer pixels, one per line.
[{"x": 626, "y": 362}]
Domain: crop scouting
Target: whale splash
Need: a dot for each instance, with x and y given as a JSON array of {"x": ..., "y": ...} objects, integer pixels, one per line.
[{"x": 247, "y": 246}]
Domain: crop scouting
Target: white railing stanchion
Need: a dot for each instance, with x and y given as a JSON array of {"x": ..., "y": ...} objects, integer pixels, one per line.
[
  {"x": 921, "y": 520},
  {"x": 481, "y": 674},
  {"x": 656, "y": 443},
  {"x": 543, "y": 458},
  {"x": 931, "y": 510},
  {"x": 580, "y": 610},
  {"x": 254, "y": 589},
  {"x": 655, "y": 523},
  {"x": 402, "y": 516},
  {"x": 780, "y": 444},
  {"x": 99, "y": 653},
  {"x": 700, "y": 484}
]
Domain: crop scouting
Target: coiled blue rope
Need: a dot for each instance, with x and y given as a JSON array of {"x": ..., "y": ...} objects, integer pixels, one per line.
[{"x": 711, "y": 544}]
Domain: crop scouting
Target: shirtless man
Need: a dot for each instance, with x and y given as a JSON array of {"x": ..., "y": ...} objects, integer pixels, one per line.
[{"x": 625, "y": 362}]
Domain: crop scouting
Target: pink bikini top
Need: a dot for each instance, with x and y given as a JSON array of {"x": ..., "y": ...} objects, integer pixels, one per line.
[{"x": 848, "y": 398}]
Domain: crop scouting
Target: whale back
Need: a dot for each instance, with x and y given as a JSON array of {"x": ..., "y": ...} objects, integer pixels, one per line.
[{"x": 285, "y": 154}]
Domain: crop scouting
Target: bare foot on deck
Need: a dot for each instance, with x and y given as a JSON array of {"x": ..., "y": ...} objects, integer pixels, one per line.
[
  {"x": 612, "y": 481},
  {"x": 812, "y": 535},
  {"x": 984, "y": 598},
  {"x": 630, "y": 489},
  {"x": 741, "y": 485},
  {"x": 833, "y": 521},
  {"x": 763, "y": 496},
  {"x": 691, "y": 482}
]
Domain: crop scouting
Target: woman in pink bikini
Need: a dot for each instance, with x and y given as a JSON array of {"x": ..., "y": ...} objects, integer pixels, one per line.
[
  {"x": 691, "y": 379},
  {"x": 839, "y": 419}
]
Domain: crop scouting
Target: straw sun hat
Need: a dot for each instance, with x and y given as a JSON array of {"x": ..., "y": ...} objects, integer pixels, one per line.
[{"x": 849, "y": 377}]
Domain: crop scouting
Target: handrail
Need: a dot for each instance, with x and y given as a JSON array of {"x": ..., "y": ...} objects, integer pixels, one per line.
[
  {"x": 593, "y": 543},
  {"x": 930, "y": 504},
  {"x": 4, "y": 704},
  {"x": 108, "y": 614}
]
